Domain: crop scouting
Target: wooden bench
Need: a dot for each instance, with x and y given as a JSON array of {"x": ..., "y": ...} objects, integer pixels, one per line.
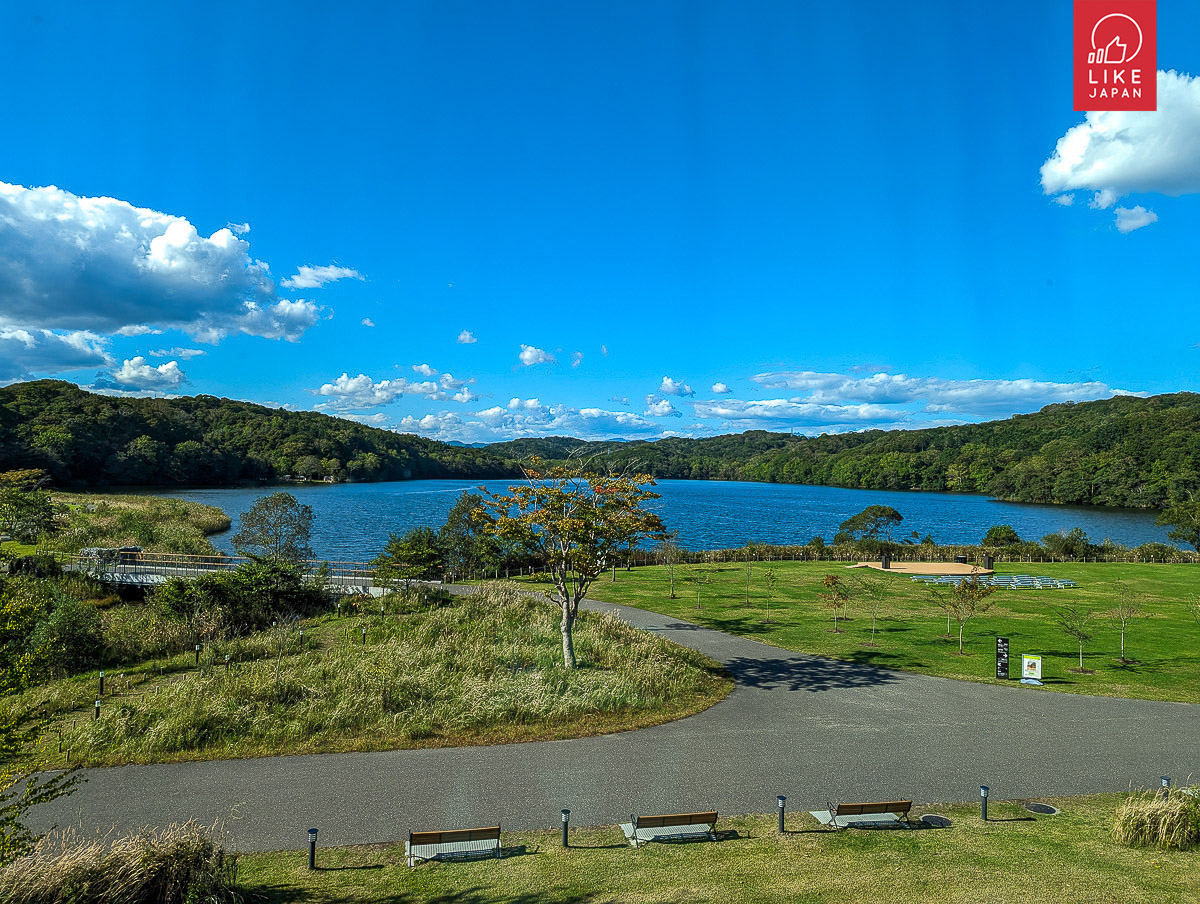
[
  {"x": 875, "y": 813},
  {"x": 670, "y": 826},
  {"x": 457, "y": 843}
]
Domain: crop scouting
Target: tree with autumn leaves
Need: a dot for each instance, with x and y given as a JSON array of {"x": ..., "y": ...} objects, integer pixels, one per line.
[{"x": 577, "y": 522}]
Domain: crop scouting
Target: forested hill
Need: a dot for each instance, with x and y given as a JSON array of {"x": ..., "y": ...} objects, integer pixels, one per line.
[
  {"x": 80, "y": 437},
  {"x": 1123, "y": 451}
]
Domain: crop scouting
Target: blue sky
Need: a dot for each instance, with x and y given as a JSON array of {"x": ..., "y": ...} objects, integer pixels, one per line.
[{"x": 477, "y": 221}]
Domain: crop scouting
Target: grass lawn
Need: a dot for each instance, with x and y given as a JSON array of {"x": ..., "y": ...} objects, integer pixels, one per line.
[
  {"x": 1015, "y": 858},
  {"x": 910, "y": 631},
  {"x": 468, "y": 670}
]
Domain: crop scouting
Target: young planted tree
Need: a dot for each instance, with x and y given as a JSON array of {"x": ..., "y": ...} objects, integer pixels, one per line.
[
  {"x": 700, "y": 574},
  {"x": 962, "y": 602},
  {"x": 769, "y": 579},
  {"x": 1075, "y": 621},
  {"x": 748, "y": 568},
  {"x": 1126, "y": 609},
  {"x": 669, "y": 555},
  {"x": 872, "y": 590},
  {"x": 576, "y": 522},
  {"x": 836, "y": 595},
  {"x": 277, "y": 528}
]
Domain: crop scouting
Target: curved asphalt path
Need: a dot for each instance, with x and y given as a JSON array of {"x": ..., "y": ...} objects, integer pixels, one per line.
[{"x": 813, "y": 729}]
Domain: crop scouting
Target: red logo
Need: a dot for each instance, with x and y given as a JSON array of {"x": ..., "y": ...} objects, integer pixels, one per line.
[{"x": 1116, "y": 55}]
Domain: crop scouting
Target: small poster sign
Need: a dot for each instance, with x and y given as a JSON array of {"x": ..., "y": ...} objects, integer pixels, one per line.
[
  {"x": 1031, "y": 667},
  {"x": 1002, "y": 658}
]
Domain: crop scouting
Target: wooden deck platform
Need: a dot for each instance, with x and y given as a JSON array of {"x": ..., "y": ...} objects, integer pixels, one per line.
[{"x": 911, "y": 568}]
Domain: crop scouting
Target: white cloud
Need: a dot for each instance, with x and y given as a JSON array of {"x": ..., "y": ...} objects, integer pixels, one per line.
[
  {"x": 101, "y": 264},
  {"x": 28, "y": 353},
  {"x": 137, "y": 373},
  {"x": 466, "y": 337},
  {"x": 1117, "y": 153},
  {"x": 794, "y": 412},
  {"x": 660, "y": 408},
  {"x": 528, "y": 417},
  {"x": 238, "y": 228},
  {"x": 967, "y": 397},
  {"x": 424, "y": 370},
  {"x": 378, "y": 419},
  {"x": 1064, "y": 200},
  {"x": 576, "y": 359},
  {"x": 721, "y": 389},
  {"x": 604, "y": 350},
  {"x": 1131, "y": 218},
  {"x": 185, "y": 353},
  {"x": 309, "y": 277},
  {"x": 531, "y": 355},
  {"x": 671, "y": 387},
  {"x": 367, "y": 321},
  {"x": 138, "y": 329},
  {"x": 348, "y": 393}
]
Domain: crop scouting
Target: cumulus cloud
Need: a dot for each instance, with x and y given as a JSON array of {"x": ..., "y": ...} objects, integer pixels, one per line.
[
  {"x": 966, "y": 397},
  {"x": 531, "y": 355},
  {"x": 1117, "y": 153},
  {"x": 367, "y": 321},
  {"x": 671, "y": 387},
  {"x": 27, "y": 353},
  {"x": 137, "y": 373},
  {"x": 748, "y": 414},
  {"x": 185, "y": 353},
  {"x": 348, "y": 393},
  {"x": 528, "y": 417},
  {"x": 309, "y": 277},
  {"x": 238, "y": 228},
  {"x": 576, "y": 359},
  {"x": 721, "y": 389},
  {"x": 660, "y": 408},
  {"x": 604, "y": 350},
  {"x": 103, "y": 265},
  {"x": 424, "y": 370},
  {"x": 466, "y": 337},
  {"x": 1131, "y": 218}
]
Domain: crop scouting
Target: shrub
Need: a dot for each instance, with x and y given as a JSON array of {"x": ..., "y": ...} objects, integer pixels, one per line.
[
  {"x": 178, "y": 864},
  {"x": 70, "y": 638},
  {"x": 1149, "y": 820}
]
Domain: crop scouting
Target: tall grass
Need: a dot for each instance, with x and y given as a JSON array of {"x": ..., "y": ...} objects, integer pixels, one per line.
[
  {"x": 486, "y": 667},
  {"x": 1167, "y": 823},
  {"x": 177, "y": 865},
  {"x": 154, "y": 523}
]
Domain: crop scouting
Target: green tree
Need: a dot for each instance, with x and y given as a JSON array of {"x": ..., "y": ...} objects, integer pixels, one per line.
[
  {"x": 836, "y": 595},
  {"x": 1000, "y": 535},
  {"x": 962, "y": 602},
  {"x": 1184, "y": 520},
  {"x": 769, "y": 579},
  {"x": 414, "y": 556},
  {"x": 1075, "y": 621},
  {"x": 578, "y": 522},
  {"x": 277, "y": 528},
  {"x": 26, "y": 514},
  {"x": 871, "y": 522},
  {"x": 1127, "y": 608},
  {"x": 464, "y": 541}
]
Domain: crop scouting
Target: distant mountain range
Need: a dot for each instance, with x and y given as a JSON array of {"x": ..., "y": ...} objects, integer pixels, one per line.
[{"x": 1123, "y": 451}]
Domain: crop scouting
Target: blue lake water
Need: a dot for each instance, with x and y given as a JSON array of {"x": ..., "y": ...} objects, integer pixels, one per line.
[{"x": 353, "y": 520}]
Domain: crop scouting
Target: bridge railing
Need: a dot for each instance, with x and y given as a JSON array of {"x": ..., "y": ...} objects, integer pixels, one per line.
[{"x": 178, "y": 565}]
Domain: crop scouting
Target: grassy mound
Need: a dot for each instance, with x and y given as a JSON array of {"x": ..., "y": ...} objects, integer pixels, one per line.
[{"x": 484, "y": 668}]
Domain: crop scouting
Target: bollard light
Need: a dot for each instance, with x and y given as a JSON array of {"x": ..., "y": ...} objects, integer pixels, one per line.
[
  {"x": 312, "y": 848},
  {"x": 227, "y": 662},
  {"x": 1165, "y": 780},
  {"x": 566, "y": 818},
  {"x": 364, "y": 637},
  {"x": 983, "y": 798},
  {"x": 782, "y": 801},
  {"x": 301, "y": 637},
  {"x": 197, "y": 654},
  {"x": 97, "y": 716},
  {"x": 101, "y": 684}
]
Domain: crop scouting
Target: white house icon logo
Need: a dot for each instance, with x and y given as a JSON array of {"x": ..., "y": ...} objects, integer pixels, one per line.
[{"x": 1114, "y": 50}]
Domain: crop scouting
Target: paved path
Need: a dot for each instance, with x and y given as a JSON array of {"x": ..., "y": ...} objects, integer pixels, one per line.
[{"x": 813, "y": 729}]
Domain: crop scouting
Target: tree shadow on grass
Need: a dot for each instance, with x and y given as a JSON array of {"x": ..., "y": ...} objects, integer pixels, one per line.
[
  {"x": 805, "y": 674},
  {"x": 295, "y": 894}
]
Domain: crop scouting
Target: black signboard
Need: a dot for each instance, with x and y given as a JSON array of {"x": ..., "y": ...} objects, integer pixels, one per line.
[{"x": 1002, "y": 658}]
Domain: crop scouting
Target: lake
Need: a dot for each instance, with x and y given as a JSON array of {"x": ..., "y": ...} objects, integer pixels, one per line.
[{"x": 353, "y": 520}]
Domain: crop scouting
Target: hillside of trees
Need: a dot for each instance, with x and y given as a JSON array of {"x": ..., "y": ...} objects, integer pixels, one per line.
[
  {"x": 83, "y": 438},
  {"x": 1123, "y": 451}
]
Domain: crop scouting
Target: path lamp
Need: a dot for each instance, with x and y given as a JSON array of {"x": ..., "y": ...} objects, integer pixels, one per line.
[
  {"x": 101, "y": 684},
  {"x": 782, "y": 801},
  {"x": 312, "y": 848},
  {"x": 1165, "y": 781},
  {"x": 566, "y": 818},
  {"x": 302, "y": 638},
  {"x": 97, "y": 716},
  {"x": 983, "y": 796},
  {"x": 197, "y": 654},
  {"x": 364, "y": 636},
  {"x": 227, "y": 662}
]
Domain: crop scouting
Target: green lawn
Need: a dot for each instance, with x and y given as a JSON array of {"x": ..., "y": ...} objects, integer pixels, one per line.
[
  {"x": 910, "y": 631},
  {"x": 1015, "y": 858},
  {"x": 470, "y": 670}
]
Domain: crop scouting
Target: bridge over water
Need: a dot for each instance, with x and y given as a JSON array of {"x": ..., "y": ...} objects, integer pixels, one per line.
[{"x": 146, "y": 569}]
